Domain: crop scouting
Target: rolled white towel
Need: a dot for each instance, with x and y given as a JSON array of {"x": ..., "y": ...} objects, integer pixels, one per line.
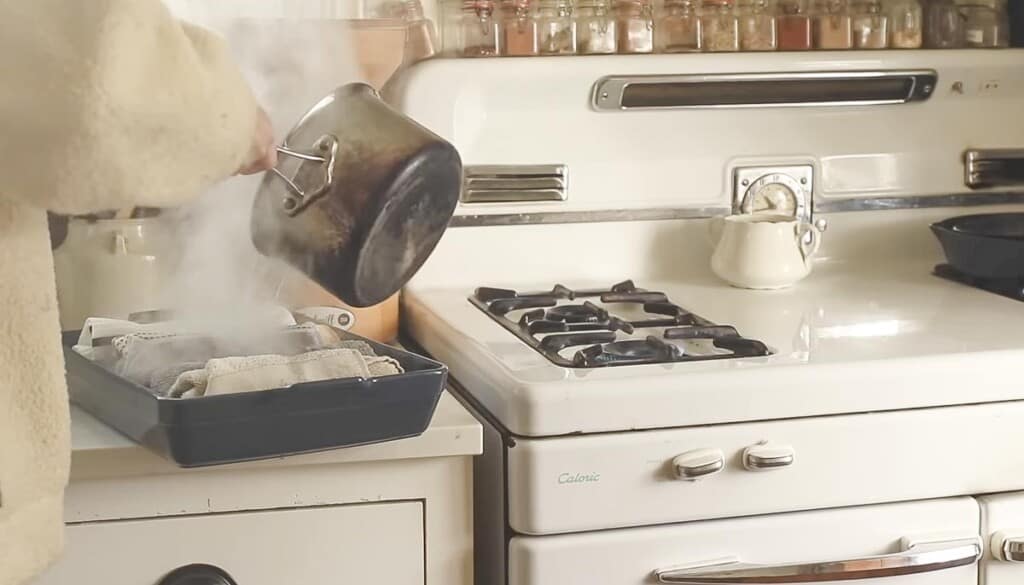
[
  {"x": 97, "y": 328},
  {"x": 267, "y": 372}
]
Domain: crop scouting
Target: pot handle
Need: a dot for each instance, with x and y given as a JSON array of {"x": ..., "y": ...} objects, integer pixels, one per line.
[{"x": 326, "y": 153}]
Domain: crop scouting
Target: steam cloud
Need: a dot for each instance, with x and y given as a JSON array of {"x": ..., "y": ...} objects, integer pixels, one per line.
[{"x": 223, "y": 285}]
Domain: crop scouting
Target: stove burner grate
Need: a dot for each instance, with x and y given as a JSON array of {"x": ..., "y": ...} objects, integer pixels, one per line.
[{"x": 551, "y": 328}]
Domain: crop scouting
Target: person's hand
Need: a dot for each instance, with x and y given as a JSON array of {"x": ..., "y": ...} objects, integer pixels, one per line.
[{"x": 263, "y": 152}]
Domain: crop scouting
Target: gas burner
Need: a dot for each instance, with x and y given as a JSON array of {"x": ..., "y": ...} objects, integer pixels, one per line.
[
  {"x": 587, "y": 312},
  {"x": 650, "y": 350},
  {"x": 1010, "y": 288},
  {"x": 553, "y": 322}
]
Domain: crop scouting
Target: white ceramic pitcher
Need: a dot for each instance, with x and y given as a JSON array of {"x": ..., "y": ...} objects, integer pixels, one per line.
[{"x": 760, "y": 251}]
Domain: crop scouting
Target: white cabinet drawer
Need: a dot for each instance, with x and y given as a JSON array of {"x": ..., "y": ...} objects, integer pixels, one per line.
[
  {"x": 805, "y": 539},
  {"x": 573, "y": 484},
  {"x": 366, "y": 543}
]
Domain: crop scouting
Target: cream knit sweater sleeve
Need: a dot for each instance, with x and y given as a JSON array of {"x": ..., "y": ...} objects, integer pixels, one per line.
[{"x": 112, "y": 103}]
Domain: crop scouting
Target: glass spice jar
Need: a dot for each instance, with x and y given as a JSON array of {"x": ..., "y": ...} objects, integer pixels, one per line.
[
  {"x": 421, "y": 34},
  {"x": 720, "y": 27},
  {"x": 479, "y": 30},
  {"x": 906, "y": 24},
  {"x": 519, "y": 28},
  {"x": 794, "y": 26},
  {"x": 595, "y": 28},
  {"x": 450, "y": 25},
  {"x": 635, "y": 26},
  {"x": 1015, "y": 18},
  {"x": 556, "y": 29},
  {"x": 679, "y": 29},
  {"x": 833, "y": 27},
  {"x": 870, "y": 26},
  {"x": 944, "y": 25},
  {"x": 758, "y": 30},
  {"x": 1005, "y": 33},
  {"x": 984, "y": 26}
]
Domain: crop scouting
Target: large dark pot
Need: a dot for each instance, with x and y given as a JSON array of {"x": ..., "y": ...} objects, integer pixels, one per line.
[{"x": 361, "y": 196}]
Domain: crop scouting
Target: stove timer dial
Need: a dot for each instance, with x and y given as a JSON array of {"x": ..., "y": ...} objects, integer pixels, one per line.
[{"x": 776, "y": 191}]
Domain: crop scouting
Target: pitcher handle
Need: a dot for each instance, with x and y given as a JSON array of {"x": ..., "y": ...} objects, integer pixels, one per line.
[
  {"x": 808, "y": 237},
  {"x": 120, "y": 244}
]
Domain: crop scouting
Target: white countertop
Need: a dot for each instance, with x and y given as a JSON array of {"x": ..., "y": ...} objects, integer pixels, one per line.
[{"x": 99, "y": 451}]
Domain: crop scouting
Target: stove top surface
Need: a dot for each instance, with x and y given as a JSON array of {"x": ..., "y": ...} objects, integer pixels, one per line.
[
  {"x": 621, "y": 325},
  {"x": 854, "y": 337}
]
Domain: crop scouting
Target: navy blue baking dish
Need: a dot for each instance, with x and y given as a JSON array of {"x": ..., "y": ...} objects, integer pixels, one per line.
[{"x": 304, "y": 418}]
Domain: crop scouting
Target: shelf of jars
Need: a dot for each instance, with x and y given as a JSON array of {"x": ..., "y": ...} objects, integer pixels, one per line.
[{"x": 525, "y": 28}]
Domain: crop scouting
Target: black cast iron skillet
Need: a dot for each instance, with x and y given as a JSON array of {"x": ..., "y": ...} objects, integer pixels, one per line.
[{"x": 984, "y": 246}]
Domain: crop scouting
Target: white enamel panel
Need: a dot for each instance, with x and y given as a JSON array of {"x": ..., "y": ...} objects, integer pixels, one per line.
[
  {"x": 628, "y": 557},
  {"x": 536, "y": 111},
  {"x": 570, "y": 484}
]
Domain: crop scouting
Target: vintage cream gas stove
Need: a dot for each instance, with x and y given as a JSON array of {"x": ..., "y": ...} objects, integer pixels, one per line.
[{"x": 646, "y": 422}]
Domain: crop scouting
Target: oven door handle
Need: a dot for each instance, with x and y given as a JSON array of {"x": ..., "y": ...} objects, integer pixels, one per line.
[{"x": 914, "y": 558}]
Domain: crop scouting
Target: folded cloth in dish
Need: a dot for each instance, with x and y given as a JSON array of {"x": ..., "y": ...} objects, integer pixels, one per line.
[
  {"x": 268, "y": 372},
  {"x": 161, "y": 380},
  {"x": 150, "y": 358}
]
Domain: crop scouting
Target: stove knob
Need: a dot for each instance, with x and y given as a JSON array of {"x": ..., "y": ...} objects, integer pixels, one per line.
[
  {"x": 698, "y": 464},
  {"x": 1008, "y": 548},
  {"x": 768, "y": 456},
  {"x": 197, "y": 575}
]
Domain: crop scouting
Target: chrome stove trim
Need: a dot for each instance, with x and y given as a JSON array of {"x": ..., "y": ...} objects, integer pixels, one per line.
[
  {"x": 515, "y": 183},
  {"x": 610, "y": 93},
  {"x": 663, "y": 214},
  {"x": 993, "y": 167},
  {"x": 597, "y": 216},
  {"x": 913, "y": 559},
  {"x": 918, "y": 202}
]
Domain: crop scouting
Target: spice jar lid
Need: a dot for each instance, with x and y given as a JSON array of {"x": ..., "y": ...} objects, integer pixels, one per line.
[
  {"x": 792, "y": 6},
  {"x": 478, "y": 4}
]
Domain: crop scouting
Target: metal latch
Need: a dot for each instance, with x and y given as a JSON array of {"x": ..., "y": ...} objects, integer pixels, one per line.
[
  {"x": 994, "y": 168},
  {"x": 515, "y": 183}
]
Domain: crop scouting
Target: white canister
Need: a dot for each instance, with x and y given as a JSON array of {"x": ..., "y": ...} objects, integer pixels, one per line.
[{"x": 112, "y": 268}]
